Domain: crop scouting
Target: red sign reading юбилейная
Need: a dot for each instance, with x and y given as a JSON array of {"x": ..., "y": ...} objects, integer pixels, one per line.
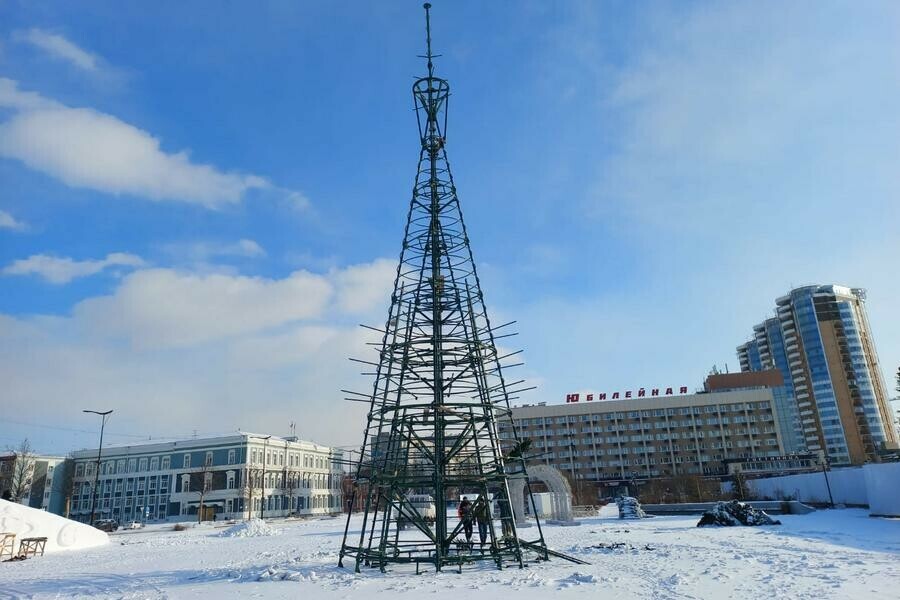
[{"x": 628, "y": 394}]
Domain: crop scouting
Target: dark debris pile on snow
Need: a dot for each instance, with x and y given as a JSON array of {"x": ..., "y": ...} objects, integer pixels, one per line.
[
  {"x": 615, "y": 546},
  {"x": 630, "y": 508},
  {"x": 727, "y": 514}
]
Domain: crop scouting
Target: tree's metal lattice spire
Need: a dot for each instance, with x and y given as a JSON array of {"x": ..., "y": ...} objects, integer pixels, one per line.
[{"x": 439, "y": 386}]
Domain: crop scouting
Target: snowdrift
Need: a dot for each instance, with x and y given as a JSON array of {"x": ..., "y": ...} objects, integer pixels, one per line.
[
  {"x": 61, "y": 533},
  {"x": 252, "y": 528}
]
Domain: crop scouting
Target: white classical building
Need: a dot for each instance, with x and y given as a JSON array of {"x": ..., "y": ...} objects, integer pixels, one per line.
[{"x": 233, "y": 476}]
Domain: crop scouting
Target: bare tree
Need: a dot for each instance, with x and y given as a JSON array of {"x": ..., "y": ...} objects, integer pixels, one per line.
[
  {"x": 250, "y": 481},
  {"x": 202, "y": 482},
  {"x": 289, "y": 484},
  {"x": 23, "y": 470},
  {"x": 66, "y": 484}
]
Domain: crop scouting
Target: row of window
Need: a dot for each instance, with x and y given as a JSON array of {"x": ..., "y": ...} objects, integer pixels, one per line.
[
  {"x": 163, "y": 463},
  {"x": 109, "y": 486},
  {"x": 131, "y": 465},
  {"x": 258, "y": 456},
  {"x": 652, "y": 461},
  {"x": 643, "y": 414}
]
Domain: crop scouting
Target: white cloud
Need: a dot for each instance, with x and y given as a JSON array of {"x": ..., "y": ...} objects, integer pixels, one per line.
[
  {"x": 244, "y": 247},
  {"x": 174, "y": 351},
  {"x": 298, "y": 200},
  {"x": 85, "y": 148},
  {"x": 360, "y": 287},
  {"x": 59, "y": 47},
  {"x": 90, "y": 149},
  {"x": 735, "y": 110},
  {"x": 741, "y": 150},
  {"x": 163, "y": 307},
  {"x": 59, "y": 270},
  {"x": 198, "y": 253},
  {"x": 12, "y": 97},
  {"x": 7, "y": 221}
]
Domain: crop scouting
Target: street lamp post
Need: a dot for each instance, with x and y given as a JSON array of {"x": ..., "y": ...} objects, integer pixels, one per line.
[
  {"x": 827, "y": 484},
  {"x": 103, "y": 415}
]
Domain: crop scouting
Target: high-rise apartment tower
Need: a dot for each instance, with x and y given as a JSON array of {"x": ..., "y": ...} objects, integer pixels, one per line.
[{"x": 821, "y": 341}]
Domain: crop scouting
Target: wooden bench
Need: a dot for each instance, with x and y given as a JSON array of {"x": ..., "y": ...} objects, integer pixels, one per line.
[
  {"x": 32, "y": 546},
  {"x": 7, "y": 544}
]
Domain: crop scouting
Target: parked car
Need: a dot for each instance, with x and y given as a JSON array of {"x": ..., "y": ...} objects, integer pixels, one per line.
[
  {"x": 106, "y": 525},
  {"x": 134, "y": 525}
]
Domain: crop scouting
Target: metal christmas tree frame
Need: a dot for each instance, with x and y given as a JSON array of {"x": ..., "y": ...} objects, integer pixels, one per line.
[{"x": 439, "y": 387}]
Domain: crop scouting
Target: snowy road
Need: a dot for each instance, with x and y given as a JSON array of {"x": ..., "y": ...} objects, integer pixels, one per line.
[{"x": 828, "y": 554}]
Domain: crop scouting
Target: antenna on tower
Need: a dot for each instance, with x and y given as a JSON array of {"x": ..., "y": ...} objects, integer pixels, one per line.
[{"x": 428, "y": 55}]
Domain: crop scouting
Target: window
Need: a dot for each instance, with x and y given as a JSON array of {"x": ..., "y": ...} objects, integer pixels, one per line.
[
  {"x": 154, "y": 463},
  {"x": 209, "y": 459},
  {"x": 231, "y": 457},
  {"x": 79, "y": 470},
  {"x": 142, "y": 465},
  {"x": 132, "y": 465},
  {"x": 165, "y": 463},
  {"x": 187, "y": 461}
]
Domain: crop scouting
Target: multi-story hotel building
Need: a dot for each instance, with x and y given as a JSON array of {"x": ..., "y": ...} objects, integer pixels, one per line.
[
  {"x": 237, "y": 476},
  {"x": 648, "y": 437},
  {"x": 821, "y": 341}
]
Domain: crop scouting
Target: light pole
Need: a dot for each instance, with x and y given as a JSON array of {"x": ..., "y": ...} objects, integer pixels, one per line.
[
  {"x": 827, "y": 484},
  {"x": 103, "y": 415}
]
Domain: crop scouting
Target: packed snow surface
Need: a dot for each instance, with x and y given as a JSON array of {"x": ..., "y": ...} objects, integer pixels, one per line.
[
  {"x": 61, "y": 534},
  {"x": 251, "y": 528},
  {"x": 827, "y": 554}
]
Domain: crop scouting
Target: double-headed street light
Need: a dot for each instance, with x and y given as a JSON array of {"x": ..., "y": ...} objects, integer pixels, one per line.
[{"x": 103, "y": 415}]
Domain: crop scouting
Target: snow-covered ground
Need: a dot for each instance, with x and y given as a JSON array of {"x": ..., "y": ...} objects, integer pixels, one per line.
[{"x": 828, "y": 554}]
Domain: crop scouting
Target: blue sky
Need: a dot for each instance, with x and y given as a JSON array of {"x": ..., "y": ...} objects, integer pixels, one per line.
[{"x": 197, "y": 207}]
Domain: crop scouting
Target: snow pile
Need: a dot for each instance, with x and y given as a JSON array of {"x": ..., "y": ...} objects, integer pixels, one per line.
[
  {"x": 251, "y": 528},
  {"x": 61, "y": 533},
  {"x": 324, "y": 574},
  {"x": 630, "y": 508},
  {"x": 726, "y": 514},
  {"x": 578, "y": 578}
]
